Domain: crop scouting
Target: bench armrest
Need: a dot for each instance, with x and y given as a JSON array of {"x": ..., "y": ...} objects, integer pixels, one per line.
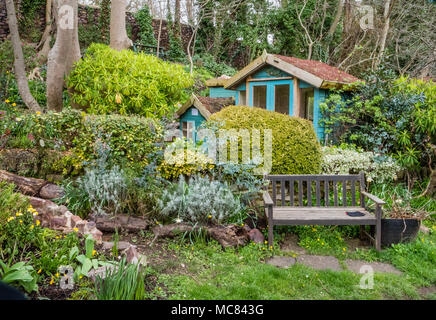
[
  {"x": 267, "y": 199},
  {"x": 378, "y": 201}
]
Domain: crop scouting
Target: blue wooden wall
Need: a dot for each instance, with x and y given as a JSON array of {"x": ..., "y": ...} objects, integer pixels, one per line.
[
  {"x": 220, "y": 92},
  {"x": 188, "y": 116}
]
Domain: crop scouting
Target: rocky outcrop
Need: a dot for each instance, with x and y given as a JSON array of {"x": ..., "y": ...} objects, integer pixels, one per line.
[{"x": 58, "y": 217}]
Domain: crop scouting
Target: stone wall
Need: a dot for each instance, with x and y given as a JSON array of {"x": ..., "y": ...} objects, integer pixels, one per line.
[{"x": 95, "y": 13}]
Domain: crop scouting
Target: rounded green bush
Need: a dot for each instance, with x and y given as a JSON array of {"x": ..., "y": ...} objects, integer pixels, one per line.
[
  {"x": 109, "y": 81},
  {"x": 295, "y": 148}
]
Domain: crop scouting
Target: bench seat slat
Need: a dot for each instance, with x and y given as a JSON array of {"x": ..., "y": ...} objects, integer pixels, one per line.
[{"x": 325, "y": 216}]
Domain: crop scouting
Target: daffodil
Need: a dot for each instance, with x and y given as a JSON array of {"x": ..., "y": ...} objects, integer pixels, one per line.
[
  {"x": 94, "y": 252},
  {"x": 14, "y": 104},
  {"x": 39, "y": 271},
  {"x": 7, "y": 101},
  {"x": 38, "y": 222},
  {"x": 11, "y": 218}
]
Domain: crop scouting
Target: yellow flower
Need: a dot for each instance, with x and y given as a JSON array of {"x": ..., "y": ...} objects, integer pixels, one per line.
[
  {"x": 80, "y": 277},
  {"x": 75, "y": 229},
  {"x": 39, "y": 271},
  {"x": 7, "y": 101},
  {"x": 32, "y": 226},
  {"x": 344, "y": 249},
  {"x": 21, "y": 221},
  {"x": 35, "y": 213},
  {"x": 94, "y": 252},
  {"x": 57, "y": 275},
  {"x": 37, "y": 112},
  {"x": 18, "y": 214},
  {"x": 51, "y": 281},
  {"x": 11, "y": 218},
  {"x": 209, "y": 216},
  {"x": 38, "y": 222},
  {"x": 14, "y": 104},
  {"x": 266, "y": 242}
]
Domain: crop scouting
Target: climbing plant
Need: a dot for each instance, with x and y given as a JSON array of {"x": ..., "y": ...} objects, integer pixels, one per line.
[{"x": 144, "y": 20}]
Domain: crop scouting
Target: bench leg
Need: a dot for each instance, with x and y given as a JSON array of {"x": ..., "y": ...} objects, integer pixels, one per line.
[
  {"x": 377, "y": 236},
  {"x": 270, "y": 227},
  {"x": 362, "y": 233}
]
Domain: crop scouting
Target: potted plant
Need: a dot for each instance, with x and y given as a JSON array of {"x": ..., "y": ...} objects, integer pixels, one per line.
[{"x": 400, "y": 222}]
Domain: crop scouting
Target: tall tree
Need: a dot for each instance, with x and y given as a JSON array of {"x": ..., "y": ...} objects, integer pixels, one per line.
[
  {"x": 65, "y": 52},
  {"x": 118, "y": 32},
  {"x": 20, "y": 71}
]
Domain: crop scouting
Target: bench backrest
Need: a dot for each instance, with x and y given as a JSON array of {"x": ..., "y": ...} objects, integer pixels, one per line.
[{"x": 315, "y": 190}]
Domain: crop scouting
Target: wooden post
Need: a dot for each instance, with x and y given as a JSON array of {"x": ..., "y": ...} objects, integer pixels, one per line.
[
  {"x": 378, "y": 213},
  {"x": 296, "y": 96},
  {"x": 270, "y": 226}
]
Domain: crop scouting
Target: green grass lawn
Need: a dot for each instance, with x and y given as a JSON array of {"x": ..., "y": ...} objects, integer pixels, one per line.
[{"x": 211, "y": 273}]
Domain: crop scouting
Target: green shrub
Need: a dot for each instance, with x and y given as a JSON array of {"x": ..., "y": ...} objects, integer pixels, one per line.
[
  {"x": 109, "y": 81},
  {"x": 295, "y": 149},
  {"x": 378, "y": 168},
  {"x": 199, "y": 200},
  {"x": 10, "y": 202},
  {"x": 130, "y": 139},
  {"x": 184, "y": 158}
]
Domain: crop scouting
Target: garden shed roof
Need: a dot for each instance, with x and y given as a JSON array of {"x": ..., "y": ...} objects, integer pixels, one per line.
[
  {"x": 205, "y": 105},
  {"x": 316, "y": 73}
]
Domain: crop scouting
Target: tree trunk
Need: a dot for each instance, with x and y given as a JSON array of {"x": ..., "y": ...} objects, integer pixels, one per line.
[
  {"x": 44, "y": 44},
  {"x": 65, "y": 52},
  {"x": 32, "y": 186},
  {"x": 337, "y": 18},
  {"x": 177, "y": 18},
  {"x": 118, "y": 32},
  {"x": 387, "y": 19},
  {"x": 20, "y": 70}
]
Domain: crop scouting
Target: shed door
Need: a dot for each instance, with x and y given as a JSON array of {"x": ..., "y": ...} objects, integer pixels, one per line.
[{"x": 189, "y": 129}]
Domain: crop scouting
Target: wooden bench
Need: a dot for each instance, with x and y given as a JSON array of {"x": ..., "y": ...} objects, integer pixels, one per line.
[{"x": 305, "y": 200}]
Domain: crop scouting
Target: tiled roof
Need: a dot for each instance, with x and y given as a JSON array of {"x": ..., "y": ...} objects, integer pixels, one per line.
[
  {"x": 215, "y": 104},
  {"x": 320, "y": 69}
]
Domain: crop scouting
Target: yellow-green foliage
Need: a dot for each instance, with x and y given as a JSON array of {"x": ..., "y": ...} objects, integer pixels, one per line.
[
  {"x": 295, "y": 148},
  {"x": 109, "y": 81},
  {"x": 187, "y": 163}
]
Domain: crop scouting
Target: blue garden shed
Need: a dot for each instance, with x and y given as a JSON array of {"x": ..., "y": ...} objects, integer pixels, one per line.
[{"x": 278, "y": 83}]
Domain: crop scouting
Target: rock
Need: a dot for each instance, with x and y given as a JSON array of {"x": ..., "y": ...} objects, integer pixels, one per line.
[
  {"x": 101, "y": 272},
  {"x": 229, "y": 236},
  {"x": 256, "y": 236},
  {"x": 320, "y": 262},
  {"x": 281, "y": 262},
  {"x": 171, "y": 230},
  {"x": 75, "y": 220},
  {"x": 424, "y": 229},
  {"x": 96, "y": 234},
  {"x": 58, "y": 222},
  {"x": 118, "y": 222},
  {"x": 51, "y": 191},
  {"x": 122, "y": 245},
  {"x": 132, "y": 256}
]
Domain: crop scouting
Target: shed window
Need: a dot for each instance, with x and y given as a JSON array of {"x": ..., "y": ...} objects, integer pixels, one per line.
[
  {"x": 307, "y": 104},
  {"x": 194, "y": 112},
  {"x": 259, "y": 96},
  {"x": 242, "y": 98},
  {"x": 188, "y": 129},
  {"x": 281, "y": 98}
]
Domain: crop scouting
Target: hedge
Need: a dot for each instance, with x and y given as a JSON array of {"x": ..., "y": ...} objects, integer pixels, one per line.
[
  {"x": 295, "y": 148},
  {"x": 80, "y": 136}
]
